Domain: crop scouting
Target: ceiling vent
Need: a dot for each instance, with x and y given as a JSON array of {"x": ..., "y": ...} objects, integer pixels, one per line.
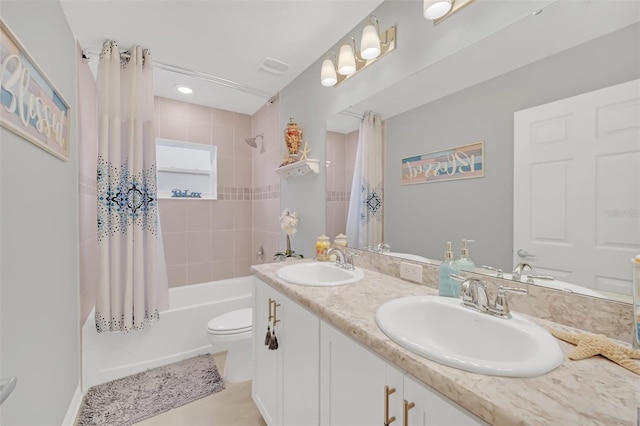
[{"x": 273, "y": 66}]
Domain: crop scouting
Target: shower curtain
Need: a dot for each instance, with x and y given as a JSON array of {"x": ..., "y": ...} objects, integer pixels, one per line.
[
  {"x": 132, "y": 282},
  {"x": 365, "y": 215}
]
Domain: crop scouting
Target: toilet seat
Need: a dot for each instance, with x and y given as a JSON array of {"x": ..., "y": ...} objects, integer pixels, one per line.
[{"x": 234, "y": 322}]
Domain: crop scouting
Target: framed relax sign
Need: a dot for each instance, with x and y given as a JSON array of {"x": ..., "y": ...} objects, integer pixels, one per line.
[
  {"x": 30, "y": 106},
  {"x": 463, "y": 162}
]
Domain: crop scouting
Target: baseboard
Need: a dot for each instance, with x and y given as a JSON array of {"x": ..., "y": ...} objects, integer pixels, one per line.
[
  {"x": 74, "y": 407},
  {"x": 119, "y": 371}
]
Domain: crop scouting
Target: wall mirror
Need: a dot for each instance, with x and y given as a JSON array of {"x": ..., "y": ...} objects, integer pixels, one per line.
[{"x": 430, "y": 111}]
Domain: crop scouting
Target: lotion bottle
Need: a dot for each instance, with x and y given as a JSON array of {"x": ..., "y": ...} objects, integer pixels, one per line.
[
  {"x": 448, "y": 287},
  {"x": 464, "y": 263}
]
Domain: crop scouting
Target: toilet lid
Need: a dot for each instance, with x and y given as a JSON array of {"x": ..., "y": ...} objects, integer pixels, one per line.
[{"x": 237, "y": 321}]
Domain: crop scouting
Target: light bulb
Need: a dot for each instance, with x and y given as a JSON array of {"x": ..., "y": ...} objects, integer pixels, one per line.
[
  {"x": 328, "y": 75},
  {"x": 370, "y": 43},
  {"x": 435, "y": 9},
  {"x": 184, "y": 89},
  {"x": 346, "y": 60}
]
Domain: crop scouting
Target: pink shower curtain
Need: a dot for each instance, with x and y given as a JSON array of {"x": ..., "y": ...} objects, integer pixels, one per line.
[{"x": 132, "y": 283}]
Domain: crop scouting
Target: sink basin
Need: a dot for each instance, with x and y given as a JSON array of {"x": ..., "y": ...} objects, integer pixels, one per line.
[
  {"x": 444, "y": 331},
  {"x": 319, "y": 274},
  {"x": 407, "y": 256}
]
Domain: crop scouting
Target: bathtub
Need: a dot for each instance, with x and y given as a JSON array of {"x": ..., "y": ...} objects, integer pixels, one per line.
[{"x": 181, "y": 332}]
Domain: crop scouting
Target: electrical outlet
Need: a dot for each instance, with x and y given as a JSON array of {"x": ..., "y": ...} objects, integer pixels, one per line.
[{"x": 411, "y": 272}]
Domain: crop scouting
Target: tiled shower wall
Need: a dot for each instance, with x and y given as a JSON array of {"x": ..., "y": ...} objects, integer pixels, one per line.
[
  {"x": 204, "y": 240},
  {"x": 207, "y": 240},
  {"x": 266, "y": 183},
  {"x": 341, "y": 155}
]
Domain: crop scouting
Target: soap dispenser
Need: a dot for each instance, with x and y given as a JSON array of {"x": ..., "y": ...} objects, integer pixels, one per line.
[
  {"x": 464, "y": 263},
  {"x": 448, "y": 287}
]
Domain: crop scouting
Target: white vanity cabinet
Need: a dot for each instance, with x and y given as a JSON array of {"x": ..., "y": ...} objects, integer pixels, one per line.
[
  {"x": 357, "y": 387},
  {"x": 286, "y": 380},
  {"x": 360, "y": 388},
  {"x": 432, "y": 408}
]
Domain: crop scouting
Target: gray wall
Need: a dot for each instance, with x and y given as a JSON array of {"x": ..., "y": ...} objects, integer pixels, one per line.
[
  {"x": 39, "y": 239},
  {"x": 420, "y": 45},
  {"x": 420, "y": 218}
]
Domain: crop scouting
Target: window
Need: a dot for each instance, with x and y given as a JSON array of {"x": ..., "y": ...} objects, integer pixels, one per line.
[{"x": 186, "y": 169}]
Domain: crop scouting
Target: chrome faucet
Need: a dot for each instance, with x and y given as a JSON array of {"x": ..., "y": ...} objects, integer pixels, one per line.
[
  {"x": 340, "y": 257},
  {"x": 382, "y": 247},
  {"x": 519, "y": 269},
  {"x": 343, "y": 260},
  {"x": 473, "y": 293}
]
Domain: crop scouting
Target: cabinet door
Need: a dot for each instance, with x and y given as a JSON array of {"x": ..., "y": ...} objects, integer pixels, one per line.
[
  {"x": 353, "y": 381},
  {"x": 264, "y": 388},
  {"x": 299, "y": 338},
  {"x": 433, "y": 409},
  {"x": 286, "y": 382}
]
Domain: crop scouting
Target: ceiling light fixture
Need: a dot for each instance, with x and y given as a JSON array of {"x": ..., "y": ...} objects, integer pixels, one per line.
[
  {"x": 373, "y": 46},
  {"x": 185, "y": 90},
  {"x": 438, "y": 10}
]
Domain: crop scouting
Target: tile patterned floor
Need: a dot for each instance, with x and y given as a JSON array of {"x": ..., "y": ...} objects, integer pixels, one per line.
[{"x": 230, "y": 407}]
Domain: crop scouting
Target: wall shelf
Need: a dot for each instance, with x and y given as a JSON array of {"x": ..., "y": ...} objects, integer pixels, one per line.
[{"x": 299, "y": 168}]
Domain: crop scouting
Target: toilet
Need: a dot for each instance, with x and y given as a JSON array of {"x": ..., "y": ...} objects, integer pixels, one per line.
[{"x": 233, "y": 331}]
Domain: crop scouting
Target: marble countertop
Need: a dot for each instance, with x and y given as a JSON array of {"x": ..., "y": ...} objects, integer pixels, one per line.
[{"x": 593, "y": 391}]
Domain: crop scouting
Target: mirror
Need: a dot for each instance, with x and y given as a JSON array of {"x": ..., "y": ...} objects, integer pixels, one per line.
[{"x": 420, "y": 218}]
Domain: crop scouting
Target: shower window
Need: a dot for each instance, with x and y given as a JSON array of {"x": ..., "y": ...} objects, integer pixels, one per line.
[{"x": 186, "y": 169}]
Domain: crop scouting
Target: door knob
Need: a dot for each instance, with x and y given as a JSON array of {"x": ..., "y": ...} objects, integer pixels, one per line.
[{"x": 524, "y": 253}]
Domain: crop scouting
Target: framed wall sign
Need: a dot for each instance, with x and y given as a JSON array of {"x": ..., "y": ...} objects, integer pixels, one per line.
[
  {"x": 462, "y": 162},
  {"x": 30, "y": 106}
]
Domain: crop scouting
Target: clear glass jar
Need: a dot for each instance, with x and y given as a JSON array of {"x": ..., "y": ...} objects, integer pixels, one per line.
[{"x": 322, "y": 246}]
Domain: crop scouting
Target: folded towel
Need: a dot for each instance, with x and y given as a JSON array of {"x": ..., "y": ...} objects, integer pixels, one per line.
[{"x": 588, "y": 345}]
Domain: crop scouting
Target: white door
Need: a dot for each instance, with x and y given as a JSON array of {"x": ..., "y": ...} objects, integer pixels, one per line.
[{"x": 577, "y": 187}]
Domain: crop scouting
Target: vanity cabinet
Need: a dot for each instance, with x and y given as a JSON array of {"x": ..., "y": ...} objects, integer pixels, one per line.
[
  {"x": 357, "y": 387},
  {"x": 360, "y": 388},
  {"x": 320, "y": 375},
  {"x": 433, "y": 408},
  {"x": 286, "y": 385}
]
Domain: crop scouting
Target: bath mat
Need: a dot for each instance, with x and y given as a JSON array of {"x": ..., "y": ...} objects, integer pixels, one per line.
[{"x": 137, "y": 397}]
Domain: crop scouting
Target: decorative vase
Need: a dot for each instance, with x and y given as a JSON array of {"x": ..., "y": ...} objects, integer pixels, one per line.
[{"x": 293, "y": 140}]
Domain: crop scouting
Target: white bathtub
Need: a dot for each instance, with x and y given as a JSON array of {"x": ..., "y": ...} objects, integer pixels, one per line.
[{"x": 181, "y": 332}]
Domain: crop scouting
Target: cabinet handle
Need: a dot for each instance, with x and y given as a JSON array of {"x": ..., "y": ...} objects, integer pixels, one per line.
[
  {"x": 388, "y": 420},
  {"x": 273, "y": 316},
  {"x": 407, "y": 406}
]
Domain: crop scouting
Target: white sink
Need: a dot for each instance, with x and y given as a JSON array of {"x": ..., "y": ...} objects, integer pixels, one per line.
[
  {"x": 407, "y": 256},
  {"x": 319, "y": 274},
  {"x": 444, "y": 331}
]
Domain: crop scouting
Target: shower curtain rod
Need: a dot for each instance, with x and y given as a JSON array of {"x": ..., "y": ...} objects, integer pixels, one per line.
[{"x": 193, "y": 73}]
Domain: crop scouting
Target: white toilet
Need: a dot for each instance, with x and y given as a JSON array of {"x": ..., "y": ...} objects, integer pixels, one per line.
[{"x": 233, "y": 331}]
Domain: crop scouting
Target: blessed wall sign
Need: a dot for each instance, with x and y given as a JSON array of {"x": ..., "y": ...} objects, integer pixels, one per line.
[
  {"x": 463, "y": 162},
  {"x": 30, "y": 106}
]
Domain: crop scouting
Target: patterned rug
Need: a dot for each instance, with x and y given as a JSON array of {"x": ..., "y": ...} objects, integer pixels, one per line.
[{"x": 135, "y": 398}]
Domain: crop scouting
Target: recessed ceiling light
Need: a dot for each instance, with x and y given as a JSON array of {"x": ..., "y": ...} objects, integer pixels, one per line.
[{"x": 184, "y": 89}]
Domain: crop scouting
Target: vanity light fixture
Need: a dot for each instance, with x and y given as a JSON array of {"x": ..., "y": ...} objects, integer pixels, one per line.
[
  {"x": 185, "y": 90},
  {"x": 373, "y": 46},
  {"x": 438, "y": 10}
]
